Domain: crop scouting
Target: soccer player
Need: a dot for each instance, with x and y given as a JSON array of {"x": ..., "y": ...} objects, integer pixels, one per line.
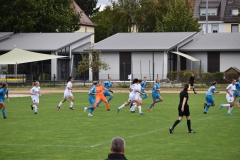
[
  {"x": 237, "y": 92},
  {"x": 131, "y": 96},
  {"x": 156, "y": 94},
  {"x": 183, "y": 110},
  {"x": 3, "y": 93},
  {"x": 138, "y": 99},
  {"x": 209, "y": 97},
  {"x": 100, "y": 95},
  {"x": 35, "y": 93},
  {"x": 229, "y": 96},
  {"x": 191, "y": 82},
  {"x": 108, "y": 84},
  {"x": 68, "y": 94},
  {"x": 91, "y": 98},
  {"x": 143, "y": 85}
]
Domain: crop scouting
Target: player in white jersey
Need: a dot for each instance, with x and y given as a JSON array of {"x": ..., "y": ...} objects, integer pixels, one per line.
[
  {"x": 131, "y": 95},
  {"x": 229, "y": 96},
  {"x": 138, "y": 98},
  {"x": 68, "y": 94},
  {"x": 35, "y": 94}
]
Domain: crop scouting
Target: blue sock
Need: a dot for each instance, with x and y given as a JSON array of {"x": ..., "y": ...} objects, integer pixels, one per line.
[
  {"x": 151, "y": 105},
  {"x": 144, "y": 97},
  {"x": 3, "y": 112},
  {"x": 110, "y": 98},
  {"x": 89, "y": 107},
  {"x": 99, "y": 102},
  {"x": 239, "y": 101},
  {"x": 91, "y": 110},
  {"x": 206, "y": 109},
  {"x": 157, "y": 101},
  {"x": 209, "y": 104}
]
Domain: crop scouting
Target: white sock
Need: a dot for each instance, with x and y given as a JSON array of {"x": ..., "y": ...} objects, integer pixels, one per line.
[
  {"x": 133, "y": 107},
  {"x": 231, "y": 108},
  {"x": 59, "y": 105},
  {"x": 35, "y": 108},
  {"x": 122, "y": 106},
  {"x": 140, "y": 109},
  {"x": 226, "y": 105},
  {"x": 71, "y": 104}
]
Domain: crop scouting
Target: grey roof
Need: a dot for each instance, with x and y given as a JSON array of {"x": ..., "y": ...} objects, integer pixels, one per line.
[
  {"x": 228, "y": 17},
  {"x": 4, "y": 35},
  {"x": 41, "y": 41},
  {"x": 214, "y": 42},
  {"x": 156, "y": 41}
]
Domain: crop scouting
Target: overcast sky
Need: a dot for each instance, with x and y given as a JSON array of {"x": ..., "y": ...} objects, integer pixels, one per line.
[{"x": 103, "y": 3}]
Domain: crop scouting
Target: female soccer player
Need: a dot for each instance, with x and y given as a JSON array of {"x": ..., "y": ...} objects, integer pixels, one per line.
[
  {"x": 156, "y": 94},
  {"x": 3, "y": 93},
  {"x": 68, "y": 94},
  {"x": 229, "y": 96},
  {"x": 209, "y": 97},
  {"x": 91, "y": 98},
  {"x": 143, "y": 85},
  {"x": 138, "y": 99},
  {"x": 191, "y": 82},
  {"x": 131, "y": 95},
  {"x": 100, "y": 95},
  {"x": 35, "y": 93},
  {"x": 183, "y": 110},
  {"x": 237, "y": 92}
]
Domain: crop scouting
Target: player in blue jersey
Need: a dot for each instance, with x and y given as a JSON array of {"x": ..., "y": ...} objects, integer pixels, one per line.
[
  {"x": 237, "y": 92},
  {"x": 209, "y": 97},
  {"x": 3, "y": 93},
  {"x": 91, "y": 98},
  {"x": 143, "y": 85},
  {"x": 156, "y": 94}
]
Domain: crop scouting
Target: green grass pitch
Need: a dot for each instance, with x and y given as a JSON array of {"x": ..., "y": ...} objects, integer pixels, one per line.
[{"x": 67, "y": 134}]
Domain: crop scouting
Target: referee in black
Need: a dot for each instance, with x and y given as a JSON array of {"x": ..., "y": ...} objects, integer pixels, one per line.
[
  {"x": 191, "y": 82},
  {"x": 183, "y": 110}
]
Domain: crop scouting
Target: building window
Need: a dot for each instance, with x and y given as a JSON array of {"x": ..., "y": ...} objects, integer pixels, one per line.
[
  {"x": 235, "y": 12},
  {"x": 211, "y": 11},
  {"x": 214, "y": 28},
  {"x": 230, "y": 1},
  {"x": 234, "y": 28}
]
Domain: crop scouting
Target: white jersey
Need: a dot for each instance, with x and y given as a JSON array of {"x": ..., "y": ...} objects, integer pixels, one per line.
[
  {"x": 68, "y": 92},
  {"x": 36, "y": 91},
  {"x": 132, "y": 93},
  {"x": 137, "y": 94},
  {"x": 231, "y": 88}
]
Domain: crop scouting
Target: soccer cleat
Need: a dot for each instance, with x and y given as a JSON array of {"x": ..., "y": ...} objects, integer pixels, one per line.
[
  {"x": 118, "y": 110},
  {"x": 204, "y": 105},
  {"x": 132, "y": 111},
  {"x": 35, "y": 112},
  {"x": 150, "y": 109},
  {"x": 195, "y": 92},
  {"x": 191, "y": 131},
  {"x": 71, "y": 108},
  {"x": 229, "y": 114},
  {"x": 171, "y": 130},
  {"x": 109, "y": 109},
  {"x": 221, "y": 106},
  {"x": 204, "y": 112},
  {"x": 4, "y": 117},
  {"x": 89, "y": 114},
  {"x": 142, "y": 113},
  {"x": 58, "y": 107},
  {"x": 85, "y": 108},
  {"x": 32, "y": 107}
]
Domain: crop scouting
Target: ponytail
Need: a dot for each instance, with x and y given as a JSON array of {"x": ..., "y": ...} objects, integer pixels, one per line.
[
  {"x": 69, "y": 78},
  {"x": 185, "y": 87}
]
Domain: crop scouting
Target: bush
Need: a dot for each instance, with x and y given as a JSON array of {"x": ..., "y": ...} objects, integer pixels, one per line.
[
  {"x": 124, "y": 85},
  {"x": 172, "y": 75},
  {"x": 230, "y": 76},
  {"x": 219, "y": 77}
]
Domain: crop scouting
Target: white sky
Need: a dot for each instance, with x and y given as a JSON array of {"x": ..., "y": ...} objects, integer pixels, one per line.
[{"x": 103, "y": 3}]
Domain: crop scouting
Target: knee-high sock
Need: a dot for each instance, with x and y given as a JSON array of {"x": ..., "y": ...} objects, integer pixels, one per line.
[
  {"x": 189, "y": 125},
  {"x": 110, "y": 98},
  {"x": 3, "y": 112},
  {"x": 140, "y": 109},
  {"x": 206, "y": 109},
  {"x": 59, "y": 105},
  {"x": 151, "y": 105},
  {"x": 157, "y": 101},
  {"x": 35, "y": 108},
  {"x": 231, "y": 108},
  {"x": 122, "y": 106},
  {"x": 175, "y": 123},
  {"x": 209, "y": 104},
  {"x": 144, "y": 97},
  {"x": 133, "y": 107},
  {"x": 71, "y": 104},
  {"x": 107, "y": 105},
  {"x": 226, "y": 105},
  {"x": 91, "y": 109},
  {"x": 239, "y": 101},
  {"x": 99, "y": 102}
]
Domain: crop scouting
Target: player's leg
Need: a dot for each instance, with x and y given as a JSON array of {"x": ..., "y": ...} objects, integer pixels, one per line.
[
  {"x": 180, "y": 113},
  {"x": 145, "y": 94},
  {"x": 104, "y": 99},
  {"x": 65, "y": 97},
  {"x": 72, "y": 101},
  {"x": 92, "y": 107},
  {"x": 2, "y": 107},
  {"x": 111, "y": 96}
]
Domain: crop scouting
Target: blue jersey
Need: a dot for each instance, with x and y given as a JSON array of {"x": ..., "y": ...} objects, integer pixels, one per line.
[
  {"x": 143, "y": 85},
  {"x": 211, "y": 90},
  {"x": 3, "y": 92},
  {"x": 155, "y": 87},
  {"x": 107, "y": 84},
  {"x": 237, "y": 84},
  {"x": 92, "y": 90}
]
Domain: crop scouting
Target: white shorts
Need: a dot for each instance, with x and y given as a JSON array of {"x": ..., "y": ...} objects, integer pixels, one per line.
[
  {"x": 229, "y": 98},
  {"x": 130, "y": 99},
  {"x": 35, "y": 99},
  {"x": 138, "y": 98},
  {"x": 67, "y": 95}
]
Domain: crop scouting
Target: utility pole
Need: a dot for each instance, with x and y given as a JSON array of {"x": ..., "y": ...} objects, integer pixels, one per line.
[{"x": 206, "y": 16}]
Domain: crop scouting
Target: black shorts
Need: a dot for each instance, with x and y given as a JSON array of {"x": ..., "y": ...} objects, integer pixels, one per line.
[
  {"x": 191, "y": 84},
  {"x": 186, "y": 111}
]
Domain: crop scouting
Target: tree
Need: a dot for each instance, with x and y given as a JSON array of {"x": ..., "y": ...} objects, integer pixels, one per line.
[
  {"x": 179, "y": 18},
  {"x": 88, "y": 6},
  {"x": 38, "y": 16},
  {"x": 92, "y": 61}
]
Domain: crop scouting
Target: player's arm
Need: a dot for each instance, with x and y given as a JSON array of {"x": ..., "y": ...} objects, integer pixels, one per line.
[
  {"x": 32, "y": 92},
  {"x": 183, "y": 104},
  {"x": 228, "y": 92},
  {"x": 7, "y": 97}
]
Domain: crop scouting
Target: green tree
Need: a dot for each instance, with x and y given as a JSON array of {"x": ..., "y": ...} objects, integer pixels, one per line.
[
  {"x": 88, "y": 6},
  {"x": 92, "y": 61},
  {"x": 179, "y": 18},
  {"x": 38, "y": 16}
]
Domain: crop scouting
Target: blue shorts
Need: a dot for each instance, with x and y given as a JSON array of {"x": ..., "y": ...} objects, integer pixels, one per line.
[
  {"x": 155, "y": 96},
  {"x": 2, "y": 99},
  {"x": 91, "y": 100},
  {"x": 209, "y": 99},
  {"x": 106, "y": 93},
  {"x": 236, "y": 94}
]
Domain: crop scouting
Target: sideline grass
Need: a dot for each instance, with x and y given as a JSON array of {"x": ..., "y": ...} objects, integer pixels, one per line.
[{"x": 68, "y": 134}]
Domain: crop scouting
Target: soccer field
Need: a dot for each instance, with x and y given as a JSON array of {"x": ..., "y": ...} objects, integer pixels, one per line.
[{"x": 68, "y": 134}]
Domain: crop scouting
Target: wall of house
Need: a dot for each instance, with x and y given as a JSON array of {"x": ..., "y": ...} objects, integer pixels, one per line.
[
  {"x": 112, "y": 59},
  {"x": 89, "y": 29},
  {"x": 228, "y": 27},
  {"x": 229, "y": 59},
  {"x": 221, "y": 26},
  {"x": 195, "y": 65}
]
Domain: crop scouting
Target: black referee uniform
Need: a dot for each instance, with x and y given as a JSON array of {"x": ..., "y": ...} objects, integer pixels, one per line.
[{"x": 191, "y": 82}]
